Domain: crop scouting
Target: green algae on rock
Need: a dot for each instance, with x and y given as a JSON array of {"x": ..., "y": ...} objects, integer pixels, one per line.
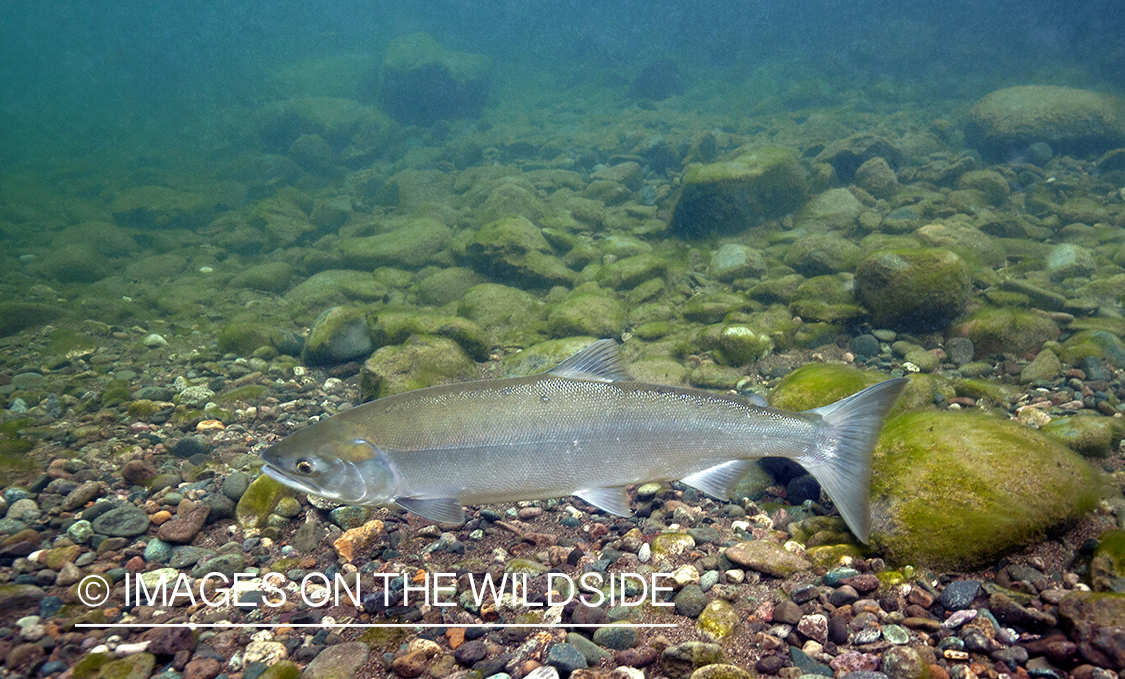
[
  {"x": 396, "y": 327},
  {"x": 915, "y": 289},
  {"x": 339, "y": 334},
  {"x": 423, "y": 361},
  {"x": 513, "y": 248},
  {"x": 258, "y": 501},
  {"x": 998, "y": 331},
  {"x": 1090, "y": 436},
  {"x": 1107, "y": 567},
  {"x": 957, "y": 490},
  {"x": 731, "y": 196},
  {"x": 817, "y": 384},
  {"x": 1071, "y": 120},
  {"x": 593, "y": 313}
]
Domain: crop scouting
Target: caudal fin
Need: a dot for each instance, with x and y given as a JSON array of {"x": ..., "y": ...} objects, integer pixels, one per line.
[{"x": 842, "y": 463}]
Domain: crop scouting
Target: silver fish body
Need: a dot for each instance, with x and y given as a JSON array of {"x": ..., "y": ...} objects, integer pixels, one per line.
[{"x": 580, "y": 429}]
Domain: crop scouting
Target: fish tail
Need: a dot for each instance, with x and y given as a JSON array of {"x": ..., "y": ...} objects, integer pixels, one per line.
[{"x": 842, "y": 463}]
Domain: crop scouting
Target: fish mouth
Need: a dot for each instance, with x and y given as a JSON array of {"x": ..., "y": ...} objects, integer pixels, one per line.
[{"x": 284, "y": 477}]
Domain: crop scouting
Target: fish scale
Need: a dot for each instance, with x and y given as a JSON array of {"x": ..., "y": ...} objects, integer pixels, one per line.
[{"x": 583, "y": 428}]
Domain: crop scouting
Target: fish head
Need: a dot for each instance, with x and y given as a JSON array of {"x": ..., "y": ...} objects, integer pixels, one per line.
[{"x": 332, "y": 460}]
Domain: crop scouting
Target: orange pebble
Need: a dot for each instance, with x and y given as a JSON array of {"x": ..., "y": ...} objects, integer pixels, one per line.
[{"x": 161, "y": 516}]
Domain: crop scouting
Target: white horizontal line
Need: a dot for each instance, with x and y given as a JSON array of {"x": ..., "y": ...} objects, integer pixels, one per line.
[{"x": 193, "y": 625}]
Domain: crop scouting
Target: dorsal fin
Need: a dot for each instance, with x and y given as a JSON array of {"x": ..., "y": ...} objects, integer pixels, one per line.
[{"x": 598, "y": 362}]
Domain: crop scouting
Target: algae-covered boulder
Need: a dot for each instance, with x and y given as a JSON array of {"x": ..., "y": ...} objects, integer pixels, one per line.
[
  {"x": 75, "y": 263},
  {"x": 513, "y": 248},
  {"x": 821, "y": 254},
  {"x": 1101, "y": 344},
  {"x": 835, "y": 209},
  {"x": 446, "y": 285},
  {"x": 411, "y": 243},
  {"x": 847, "y": 155},
  {"x": 741, "y": 344},
  {"x": 733, "y": 261},
  {"x": 545, "y": 355},
  {"x": 258, "y": 501},
  {"x": 270, "y": 277},
  {"x": 339, "y": 334},
  {"x": 423, "y": 361},
  {"x": 421, "y": 82},
  {"x": 999, "y": 331},
  {"x": 394, "y": 327},
  {"x": 923, "y": 289},
  {"x": 243, "y": 338},
  {"x": 499, "y": 308},
  {"x": 159, "y": 207},
  {"x": 15, "y": 316},
  {"x": 1090, "y": 436},
  {"x": 957, "y": 490},
  {"x": 733, "y": 195},
  {"x": 334, "y": 120},
  {"x": 817, "y": 384},
  {"x": 590, "y": 313},
  {"x": 1071, "y": 121},
  {"x": 1107, "y": 567}
]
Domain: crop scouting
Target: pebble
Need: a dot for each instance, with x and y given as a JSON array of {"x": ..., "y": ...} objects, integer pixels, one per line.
[
  {"x": 616, "y": 637},
  {"x": 565, "y": 658},
  {"x": 959, "y": 594},
  {"x": 126, "y": 521}
]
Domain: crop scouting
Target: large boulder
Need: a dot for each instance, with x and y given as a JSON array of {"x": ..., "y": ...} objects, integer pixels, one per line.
[
  {"x": 921, "y": 289},
  {"x": 1007, "y": 331},
  {"x": 421, "y": 82},
  {"x": 411, "y": 243},
  {"x": 423, "y": 361},
  {"x": 730, "y": 196},
  {"x": 956, "y": 490},
  {"x": 512, "y": 248},
  {"x": 1072, "y": 121}
]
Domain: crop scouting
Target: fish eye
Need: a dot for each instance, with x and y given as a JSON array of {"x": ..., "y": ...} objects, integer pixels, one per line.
[{"x": 304, "y": 466}]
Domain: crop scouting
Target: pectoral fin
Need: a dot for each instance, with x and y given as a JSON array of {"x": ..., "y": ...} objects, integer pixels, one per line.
[
  {"x": 611, "y": 500},
  {"x": 719, "y": 481},
  {"x": 440, "y": 509}
]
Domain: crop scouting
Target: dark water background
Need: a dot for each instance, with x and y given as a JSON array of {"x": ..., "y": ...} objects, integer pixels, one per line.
[{"x": 85, "y": 74}]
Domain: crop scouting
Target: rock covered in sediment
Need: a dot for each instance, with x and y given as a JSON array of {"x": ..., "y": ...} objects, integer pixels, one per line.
[
  {"x": 1072, "y": 121},
  {"x": 733, "y": 195},
  {"x": 914, "y": 289}
]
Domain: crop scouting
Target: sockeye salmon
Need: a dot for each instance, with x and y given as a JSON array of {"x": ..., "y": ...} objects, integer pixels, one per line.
[{"x": 583, "y": 428}]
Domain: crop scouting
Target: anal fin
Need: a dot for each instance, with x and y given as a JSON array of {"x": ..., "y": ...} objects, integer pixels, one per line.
[
  {"x": 719, "y": 481},
  {"x": 612, "y": 500},
  {"x": 440, "y": 509}
]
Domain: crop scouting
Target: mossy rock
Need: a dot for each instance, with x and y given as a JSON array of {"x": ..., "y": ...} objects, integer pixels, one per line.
[
  {"x": 135, "y": 666},
  {"x": 933, "y": 504},
  {"x": 592, "y": 314},
  {"x": 243, "y": 338},
  {"x": 270, "y": 277},
  {"x": 245, "y": 394},
  {"x": 421, "y": 82},
  {"x": 1001, "y": 331},
  {"x": 628, "y": 273},
  {"x": 446, "y": 285},
  {"x": 1090, "y": 436},
  {"x": 741, "y": 344},
  {"x": 282, "y": 669},
  {"x": 16, "y": 316},
  {"x": 731, "y": 196},
  {"x": 411, "y": 244},
  {"x": 423, "y": 361},
  {"x": 500, "y": 309},
  {"x": 921, "y": 289},
  {"x": 718, "y": 621},
  {"x": 1107, "y": 567},
  {"x": 160, "y": 207},
  {"x": 545, "y": 355},
  {"x": 513, "y": 248},
  {"x": 1098, "y": 343},
  {"x": 1072, "y": 121},
  {"x": 90, "y": 664},
  {"x": 258, "y": 501},
  {"x": 16, "y": 466},
  {"x": 339, "y": 334},
  {"x": 818, "y": 384},
  {"x": 833, "y": 210},
  {"x": 395, "y": 327}
]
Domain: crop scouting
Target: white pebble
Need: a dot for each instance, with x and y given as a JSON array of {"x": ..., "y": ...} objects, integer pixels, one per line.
[{"x": 153, "y": 341}]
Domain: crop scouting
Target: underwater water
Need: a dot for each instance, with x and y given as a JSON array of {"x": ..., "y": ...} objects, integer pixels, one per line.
[{"x": 223, "y": 221}]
